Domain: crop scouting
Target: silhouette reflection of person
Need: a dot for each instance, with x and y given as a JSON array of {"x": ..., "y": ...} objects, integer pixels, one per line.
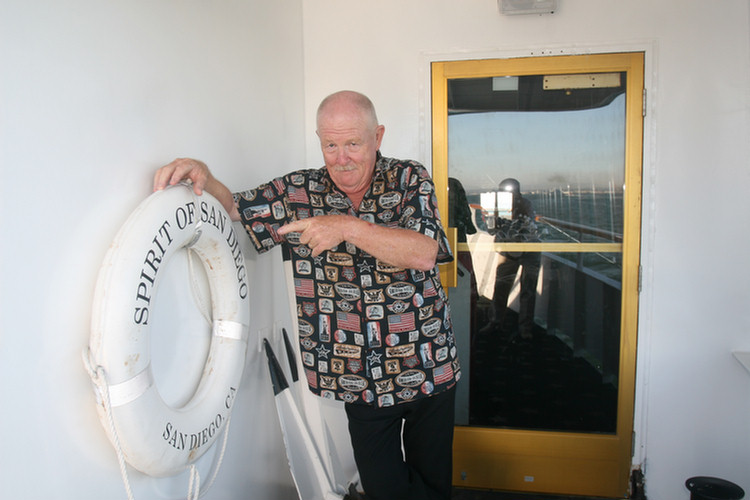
[
  {"x": 460, "y": 217},
  {"x": 519, "y": 227},
  {"x": 459, "y": 213}
]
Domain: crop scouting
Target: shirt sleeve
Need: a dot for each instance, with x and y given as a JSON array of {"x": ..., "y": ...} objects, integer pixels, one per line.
[
  {"x": 263, "y": 211},
  {"x": 420, "y": 210}
]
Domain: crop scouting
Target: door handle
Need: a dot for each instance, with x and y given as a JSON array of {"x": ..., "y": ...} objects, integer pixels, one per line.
[{"x": 449, "y": 271}]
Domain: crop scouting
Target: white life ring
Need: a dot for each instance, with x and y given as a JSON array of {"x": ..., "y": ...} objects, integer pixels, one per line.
[{"x": 155, "y": 438}]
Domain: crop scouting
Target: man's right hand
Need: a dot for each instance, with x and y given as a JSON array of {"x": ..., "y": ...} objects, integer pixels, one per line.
[
  {"x": 195, "y": 171},
  {"x": 183, "y": 169}
]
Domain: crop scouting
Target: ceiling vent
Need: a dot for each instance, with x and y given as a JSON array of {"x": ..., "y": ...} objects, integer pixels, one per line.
[{"x": 513, "y": 7}]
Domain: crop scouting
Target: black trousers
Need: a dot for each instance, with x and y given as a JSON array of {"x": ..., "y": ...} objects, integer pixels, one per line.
[{"x": 424, "y": 470}]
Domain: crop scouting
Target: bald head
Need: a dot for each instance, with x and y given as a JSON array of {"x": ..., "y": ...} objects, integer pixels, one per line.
[
  {"x": 348, "y": 102},
  {"x": 350, "y": 138}
]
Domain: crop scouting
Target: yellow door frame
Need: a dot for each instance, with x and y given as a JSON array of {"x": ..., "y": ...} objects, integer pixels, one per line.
[{"x": 556, "y": 462}]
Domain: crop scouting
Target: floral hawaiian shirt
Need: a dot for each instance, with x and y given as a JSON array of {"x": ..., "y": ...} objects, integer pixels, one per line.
[{"x": 369, "y": 332}]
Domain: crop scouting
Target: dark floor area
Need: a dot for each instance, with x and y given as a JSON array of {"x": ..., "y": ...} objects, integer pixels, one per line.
[{"x": 536, "y": 383}]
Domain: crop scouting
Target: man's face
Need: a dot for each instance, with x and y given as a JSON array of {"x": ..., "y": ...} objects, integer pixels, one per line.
[{"x": 349, "y": 144}]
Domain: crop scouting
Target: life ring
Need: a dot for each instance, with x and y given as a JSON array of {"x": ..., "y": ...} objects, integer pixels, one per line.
[{"x": 155, "y": 438}]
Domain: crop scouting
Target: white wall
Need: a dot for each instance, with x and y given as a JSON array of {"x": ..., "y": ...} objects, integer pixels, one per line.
[
  {"x": 94, "y": 96},
  {"x": 693, "y": 397}
]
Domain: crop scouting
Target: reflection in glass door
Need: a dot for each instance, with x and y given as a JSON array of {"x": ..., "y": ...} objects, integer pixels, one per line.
[{"x": 535, "y": 156}]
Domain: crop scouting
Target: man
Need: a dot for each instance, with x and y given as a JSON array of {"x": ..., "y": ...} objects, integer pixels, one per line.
[{"x": 364, "y": 237}]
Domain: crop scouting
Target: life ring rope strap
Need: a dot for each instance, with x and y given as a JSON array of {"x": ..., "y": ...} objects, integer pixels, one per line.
[
  {"x": 98, "y": 377},
  {"x": 131, "y": 389},
  {"x": 230, "y": 330}
]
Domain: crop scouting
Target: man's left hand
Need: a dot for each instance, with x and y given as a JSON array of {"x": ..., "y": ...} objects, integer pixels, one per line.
[{"x": 320, "y": 233}]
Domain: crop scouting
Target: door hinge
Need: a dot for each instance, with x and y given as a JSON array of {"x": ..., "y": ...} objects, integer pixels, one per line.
[{"x": 644, "y": 102}]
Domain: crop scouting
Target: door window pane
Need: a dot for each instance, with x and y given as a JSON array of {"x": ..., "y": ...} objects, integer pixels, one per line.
[{"x": 536, "y": 176}]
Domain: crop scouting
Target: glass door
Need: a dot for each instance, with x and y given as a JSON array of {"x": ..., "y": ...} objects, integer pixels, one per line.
[{"x": 537, "y": 162}]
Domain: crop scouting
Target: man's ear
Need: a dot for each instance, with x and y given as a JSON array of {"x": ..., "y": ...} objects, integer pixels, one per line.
[{"x": 379, "y": 135}]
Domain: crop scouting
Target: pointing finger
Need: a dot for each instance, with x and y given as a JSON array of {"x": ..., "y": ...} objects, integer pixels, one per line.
[{"x": 296, "y": 226}]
